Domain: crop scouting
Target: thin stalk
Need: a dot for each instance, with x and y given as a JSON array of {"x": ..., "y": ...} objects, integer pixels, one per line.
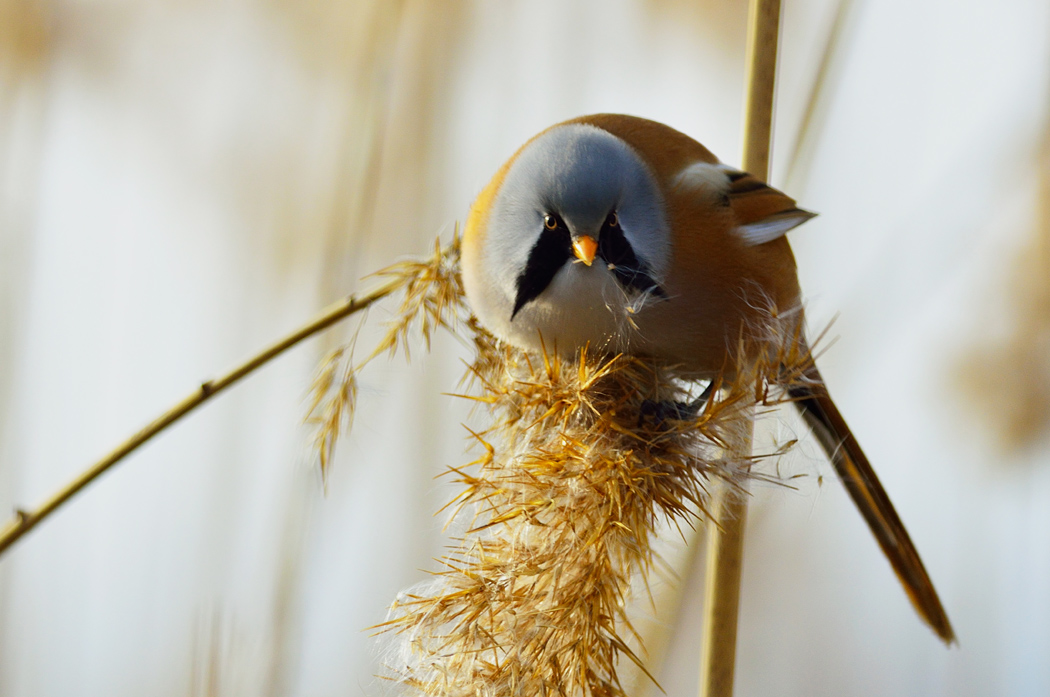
[
  {"x": 821, "y": 91},
  {"x": 723, "y": 566},
  {"x": 25, "y": 520},
  {"x": 762, "y": 33},
  {"x": 725, "y": 549}
]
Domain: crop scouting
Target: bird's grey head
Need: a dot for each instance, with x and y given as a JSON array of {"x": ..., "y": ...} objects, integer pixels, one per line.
[{"x": 571, "y": 182}]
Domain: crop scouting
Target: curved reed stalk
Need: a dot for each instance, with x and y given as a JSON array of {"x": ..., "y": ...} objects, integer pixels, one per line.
[{"x": 408, "y": 277}]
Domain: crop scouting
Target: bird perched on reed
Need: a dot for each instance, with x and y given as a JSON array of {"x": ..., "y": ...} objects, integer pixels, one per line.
[{"x": 627, "y": 236}]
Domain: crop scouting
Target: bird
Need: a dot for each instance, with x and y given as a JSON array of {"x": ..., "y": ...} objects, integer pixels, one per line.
[{"x": 625, "y": 235}]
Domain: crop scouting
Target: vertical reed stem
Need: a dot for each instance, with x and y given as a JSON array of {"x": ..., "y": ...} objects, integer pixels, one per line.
[
  {"x": 761, "y": 70},
  {"x": 725, "y": 546},
  {"x": 725, "y": 553}
]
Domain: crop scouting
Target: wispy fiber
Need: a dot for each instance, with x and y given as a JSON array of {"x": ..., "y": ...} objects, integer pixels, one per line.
[
  {"x": 432, "y": 299},
  {"x": 583, "y": 459}
]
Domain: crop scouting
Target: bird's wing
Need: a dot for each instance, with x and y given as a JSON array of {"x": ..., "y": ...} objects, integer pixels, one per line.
[{"x": 763, "y": 213}]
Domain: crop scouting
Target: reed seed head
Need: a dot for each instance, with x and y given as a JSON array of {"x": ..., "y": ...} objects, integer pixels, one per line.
[{"x": 580, "y": 463}]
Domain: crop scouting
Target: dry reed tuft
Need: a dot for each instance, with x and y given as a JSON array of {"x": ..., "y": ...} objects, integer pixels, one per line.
[
  {"x": 432, "y": 299},
  {"x": 581, "y": 463},
  {"x": 575, "y": 476}
]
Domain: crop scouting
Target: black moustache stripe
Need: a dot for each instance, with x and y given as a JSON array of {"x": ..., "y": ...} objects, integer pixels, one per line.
[
  {"x": 551, "y": 251},
  {"x": 614, "y": 248}
]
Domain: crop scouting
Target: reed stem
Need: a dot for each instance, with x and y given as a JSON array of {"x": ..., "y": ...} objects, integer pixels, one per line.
[
  {"x": 725, "y": 545},
  {"x": 25, "y": 520},
  {"x": 724, "y": 562},
  {"x": 763, "y": 30}
]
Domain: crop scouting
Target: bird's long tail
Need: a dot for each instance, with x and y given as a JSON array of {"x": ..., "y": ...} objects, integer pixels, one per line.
[{"x": 823, "y": 417}]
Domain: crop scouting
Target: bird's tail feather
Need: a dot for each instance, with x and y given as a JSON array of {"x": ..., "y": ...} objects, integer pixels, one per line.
[{"x": 823, "y": 417}]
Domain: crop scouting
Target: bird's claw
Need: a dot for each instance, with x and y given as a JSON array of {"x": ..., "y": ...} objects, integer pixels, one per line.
[{"x": 660, "y": 412}]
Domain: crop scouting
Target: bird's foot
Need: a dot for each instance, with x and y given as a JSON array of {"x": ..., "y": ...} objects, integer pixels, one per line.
[{"x": 660, "y": 412}]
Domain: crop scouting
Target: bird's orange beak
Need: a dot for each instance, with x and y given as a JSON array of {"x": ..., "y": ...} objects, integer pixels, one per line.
[{"x": 585, "y": 248}]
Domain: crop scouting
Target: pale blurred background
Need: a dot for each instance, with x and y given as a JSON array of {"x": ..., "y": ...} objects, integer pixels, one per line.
[{"x": 181, "y": 182}]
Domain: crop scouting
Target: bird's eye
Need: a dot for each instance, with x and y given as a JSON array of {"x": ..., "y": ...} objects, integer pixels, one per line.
[
  {"x": 613, "y": 220},
  {"x": 550, "y": 222}
]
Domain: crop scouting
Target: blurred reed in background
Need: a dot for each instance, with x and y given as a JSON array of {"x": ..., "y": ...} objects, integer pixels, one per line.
[
  {"x": 1007, "y": 376},
  {"x": 182, "y": 182}
]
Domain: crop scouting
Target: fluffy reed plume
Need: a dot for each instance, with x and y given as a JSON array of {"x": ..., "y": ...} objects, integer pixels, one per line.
[
  {"x": 432, "y": 299},
  {"x": 583, "y": 460},
  {"x": 576, "y": 474}
]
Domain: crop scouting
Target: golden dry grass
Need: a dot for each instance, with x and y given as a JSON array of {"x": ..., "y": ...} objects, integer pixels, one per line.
[
  {"x": 432, "y": 299},
  {"x": 575, "y": 475}
]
